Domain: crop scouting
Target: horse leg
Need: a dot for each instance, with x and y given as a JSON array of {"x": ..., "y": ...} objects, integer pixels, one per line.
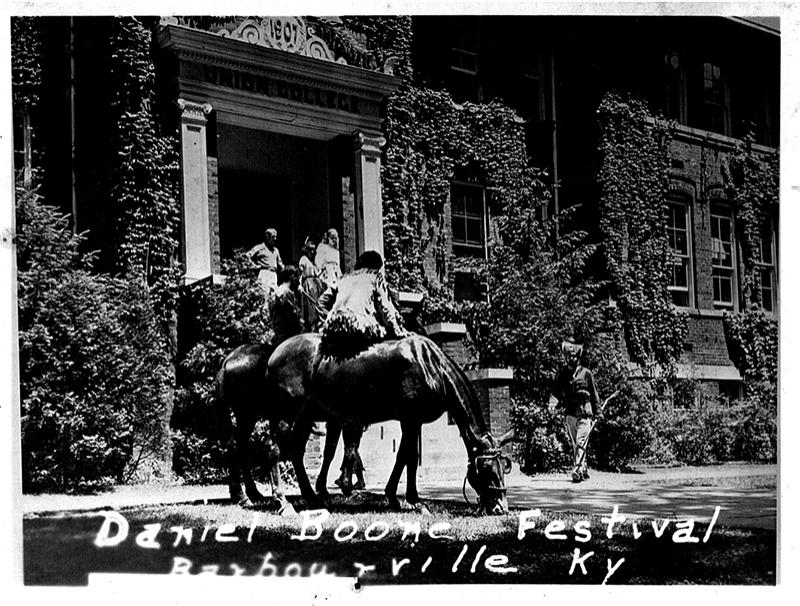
[
  {"x": 412, "y": 460},
  {"x": 284, "y": 506},
  {"x": 234, "y": 470},
  {"x": 332, "y": 433},
  {"x": 400, "y": 462},
  {"x": 300, "y": 433},
  {"x": 352, "y": 463},
  {"x": 244, "y": 430}
]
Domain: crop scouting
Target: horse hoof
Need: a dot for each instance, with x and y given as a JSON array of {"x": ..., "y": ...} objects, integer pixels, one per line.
[
  {"x": 287, "y": 511},
  {"x": 314, "y": 503},
  {"x": 421, "y": 509},
  {"x": 394, "y": 504},
  {"x": 244, "y": 502},
  {"x": 346, "y": 488},
  {"x": 360, "y": 485}
]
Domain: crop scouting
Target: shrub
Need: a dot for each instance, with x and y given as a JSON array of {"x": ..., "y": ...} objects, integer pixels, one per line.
[
  {"x": 755, "y": 433},
  {"x": 540, "y": 442},
  {"x": 217, "y": 319},
  {"x": 627, "y": 428},
  {"x": 94, "y": 377}
]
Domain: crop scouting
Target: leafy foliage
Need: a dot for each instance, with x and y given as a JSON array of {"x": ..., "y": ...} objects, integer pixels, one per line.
[
  {"x": 144, "y": 186},
  {"x": 634, "y": 178},
  {"x": 93, "y": 372},
  {"x": 751, "y": 184},
  {"x": 26, "y": 68},
  {"x": 220, "y": 317}
]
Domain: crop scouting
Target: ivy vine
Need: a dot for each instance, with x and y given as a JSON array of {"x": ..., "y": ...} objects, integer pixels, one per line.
[
  {"x": 633, "y": 176},
  {"x": 26, "y": 68},
  {"x": 144, "y": 190},
  {"x": 429, "y": 138},
  {"x": 751, "y": 185}
]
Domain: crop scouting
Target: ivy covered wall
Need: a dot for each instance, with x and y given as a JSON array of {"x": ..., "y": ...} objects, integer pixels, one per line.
[{"x": 634, "y": 177}]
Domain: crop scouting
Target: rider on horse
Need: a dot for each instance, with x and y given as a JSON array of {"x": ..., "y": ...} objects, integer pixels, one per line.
[{"x": 361, "y": 313}]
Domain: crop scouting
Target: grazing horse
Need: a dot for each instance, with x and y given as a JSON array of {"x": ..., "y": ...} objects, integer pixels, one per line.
[
  {"x": 409, "y": 380},
  {"x": 242, "y": 390}
]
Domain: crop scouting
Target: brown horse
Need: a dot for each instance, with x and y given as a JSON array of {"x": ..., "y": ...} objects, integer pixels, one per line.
[
  {"x": 411, "y": 381},
  {"x": 242, "y": 391}
]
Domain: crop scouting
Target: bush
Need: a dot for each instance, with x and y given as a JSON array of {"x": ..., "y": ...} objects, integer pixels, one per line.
[
  {"x": 540, "y": 442},
  {"x": 756, "y": 430},
  {"x": 628, "y": 427},
  {"x": 713, "y": 430},
  {"x": 217, "y": 319},
  {"x": 94, "y": 374}
]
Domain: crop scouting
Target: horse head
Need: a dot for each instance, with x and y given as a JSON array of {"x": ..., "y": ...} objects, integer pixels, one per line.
[{"x": 485, "y": 472}]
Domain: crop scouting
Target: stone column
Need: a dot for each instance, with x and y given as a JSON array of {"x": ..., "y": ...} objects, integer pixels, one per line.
[
  {"x": 369, "y": 207},
  {"x": 196, "y": 236}
]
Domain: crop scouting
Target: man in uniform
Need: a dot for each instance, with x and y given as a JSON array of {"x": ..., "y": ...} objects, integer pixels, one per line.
[{"x": 574, "y": 391}]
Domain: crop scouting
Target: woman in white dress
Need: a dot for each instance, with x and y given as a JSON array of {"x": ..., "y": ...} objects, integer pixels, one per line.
[{"x": 327, "y": 261}]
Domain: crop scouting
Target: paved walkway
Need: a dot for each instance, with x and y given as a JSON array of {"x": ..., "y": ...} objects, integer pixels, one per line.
[{"x": 746, "y": 494}]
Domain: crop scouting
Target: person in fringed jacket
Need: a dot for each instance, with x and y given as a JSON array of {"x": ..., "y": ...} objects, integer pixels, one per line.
[{"x": 361, "y": 312}]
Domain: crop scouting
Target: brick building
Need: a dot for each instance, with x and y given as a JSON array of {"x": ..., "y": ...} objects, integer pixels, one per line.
[
  {"x": 718, "y": 78},
  {"x": 276, "y": 129}
]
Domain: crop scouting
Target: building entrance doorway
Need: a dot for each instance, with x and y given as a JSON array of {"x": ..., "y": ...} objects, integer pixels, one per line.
[
  {"x": 250, "y": 202},
  {"x": 269, "y": 179}
]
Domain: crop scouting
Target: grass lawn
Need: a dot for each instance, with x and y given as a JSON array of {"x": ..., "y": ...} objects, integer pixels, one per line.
[{"x": 453, "y": 546}]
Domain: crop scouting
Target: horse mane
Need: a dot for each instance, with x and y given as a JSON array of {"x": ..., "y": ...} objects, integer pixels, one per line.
[{"x": 444, "y": 377}]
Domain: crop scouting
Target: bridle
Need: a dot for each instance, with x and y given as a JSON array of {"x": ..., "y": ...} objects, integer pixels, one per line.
[{"x": 493, "y": 453}]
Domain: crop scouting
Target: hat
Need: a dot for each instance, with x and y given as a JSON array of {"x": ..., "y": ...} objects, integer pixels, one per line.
[{"x": 571, "y": 348}]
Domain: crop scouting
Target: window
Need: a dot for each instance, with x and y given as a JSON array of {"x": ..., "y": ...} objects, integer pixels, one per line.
[
  {"x": 468, "y": 213},
  {"x": 722, "y": 260},
  {"x": 766, "y": 268},
  {"x": 679, "y": 232},
  {"x": 730, "y": 390},
  {"x": 463, "y": 80},
  {"x": 23, "y": 161},
  {"x": 468, "y": 209},
  {"x": 675, "y": 88},
  {"x": 715, "y": 99}
]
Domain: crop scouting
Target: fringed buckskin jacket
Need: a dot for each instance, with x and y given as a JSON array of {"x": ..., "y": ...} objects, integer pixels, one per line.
[{"x": 362, "y": 314}]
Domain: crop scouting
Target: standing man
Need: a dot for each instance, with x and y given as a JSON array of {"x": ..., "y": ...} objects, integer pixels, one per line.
[
  {"x": 267, "y": 258},
  {"x": 574, "y": 390}
]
